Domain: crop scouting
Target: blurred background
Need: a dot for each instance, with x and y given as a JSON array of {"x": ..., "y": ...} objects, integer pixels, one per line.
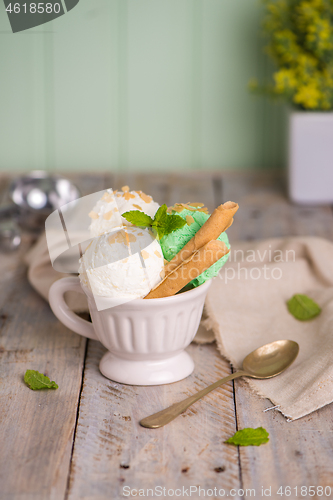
[{"x": 149, "y": 85}]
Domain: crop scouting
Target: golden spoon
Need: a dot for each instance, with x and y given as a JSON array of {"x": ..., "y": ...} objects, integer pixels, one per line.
[{"x": 265, "y": 362}]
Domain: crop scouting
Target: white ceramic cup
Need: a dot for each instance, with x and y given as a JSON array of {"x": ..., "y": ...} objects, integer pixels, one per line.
[{"x": 145, "y": 339}]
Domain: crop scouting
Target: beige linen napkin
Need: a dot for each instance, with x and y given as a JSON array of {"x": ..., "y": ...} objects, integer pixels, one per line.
[
  {"x": 246, "y": 308},
  {"x": 41, "y": 275}
]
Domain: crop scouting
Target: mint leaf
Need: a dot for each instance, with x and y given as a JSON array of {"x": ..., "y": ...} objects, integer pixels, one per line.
[
  {"x": 173, "y": 222},
  {"x": 249, "y": 437},
  {"x": 138, "y": 218},
  {"x": 165, "y": 223},
  {"x": 37, "y": 381},
  {"x": 158, "y": 231},
  {"x": 302, "y": 307},
  {"x": 161, "y": 215},
  {"x": 160, "y": 221},
  {"x": 162, "y": 224}
]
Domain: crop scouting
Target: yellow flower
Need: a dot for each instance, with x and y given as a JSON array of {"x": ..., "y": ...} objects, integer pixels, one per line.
[
  {"x": 328, "y": 77},
  {"x": 285, "y": 80},
  {"x": 285, "y": 46},
  {"x": 300, "y": 40},
  {"x": 308, "y": 96}
]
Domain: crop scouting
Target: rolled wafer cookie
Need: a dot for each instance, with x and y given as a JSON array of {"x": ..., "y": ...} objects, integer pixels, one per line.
[
  {"x": 189, "y": 270},
  {"x": 218, "y": 222}
]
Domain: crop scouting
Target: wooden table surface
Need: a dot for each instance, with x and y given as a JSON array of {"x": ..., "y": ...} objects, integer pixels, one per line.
[{"x": 83, "y": 441}]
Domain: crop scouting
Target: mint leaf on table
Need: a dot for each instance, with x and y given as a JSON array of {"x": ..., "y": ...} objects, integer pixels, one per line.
[
  {"x": 302, "y": 307},
  {"x": 162, "y": 224},
  {"x": 37, "y": 381},
  {"x": 249, "y": 437},
  {"x": 138, "y": 218}
]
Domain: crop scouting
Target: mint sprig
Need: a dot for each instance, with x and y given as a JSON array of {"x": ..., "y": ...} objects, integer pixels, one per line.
[
  {"x": 249, "y": 437},
  {"x": 37, "y": 381},
  {"x": 162, "y": 224},
  {"x": 138, "y": 218},
  {"x": 302, "y": 307}
]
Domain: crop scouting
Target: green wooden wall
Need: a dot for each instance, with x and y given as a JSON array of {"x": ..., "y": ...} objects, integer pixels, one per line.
[{"x": 138, "y": 85}]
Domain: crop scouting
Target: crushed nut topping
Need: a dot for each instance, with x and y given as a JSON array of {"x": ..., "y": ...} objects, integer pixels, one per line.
[
  {"x": 93, "y": 215},
  {"x": 108, "y": 215}
]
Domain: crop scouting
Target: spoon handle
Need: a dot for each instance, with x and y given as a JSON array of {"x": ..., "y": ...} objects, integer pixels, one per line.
[{"x": 165, "y": 416}]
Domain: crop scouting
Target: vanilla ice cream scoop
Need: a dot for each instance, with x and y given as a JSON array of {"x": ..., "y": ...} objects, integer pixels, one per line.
[
  {"x": 123, "y": 264},
  {"x": 106, "y": 214}
]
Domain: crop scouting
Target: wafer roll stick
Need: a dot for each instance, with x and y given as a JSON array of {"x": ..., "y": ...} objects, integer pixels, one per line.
[
  {"x": 230, "y": 224},
  {"x": 190, "y": 269},
  {"x": 218, "y": 222}
]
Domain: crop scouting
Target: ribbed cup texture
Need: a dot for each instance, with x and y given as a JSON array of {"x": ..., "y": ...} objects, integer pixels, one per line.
[{"x": 155, "y": 328}]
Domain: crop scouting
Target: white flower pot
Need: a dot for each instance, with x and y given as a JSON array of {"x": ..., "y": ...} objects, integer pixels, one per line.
[{"x": 311, "y": 157}]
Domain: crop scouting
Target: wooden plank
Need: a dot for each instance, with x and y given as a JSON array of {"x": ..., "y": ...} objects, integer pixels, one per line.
[
  {"x": 266, "y": 212},
  {"x": 172, "y": 188},
  {"x": 36, "y": 432},
  {"x": 194, "y": 188},
  {"x": 37, "y": 427},
  {"x": 155, "y": 185},
  {"x": 90, "y": 183},
  {"x": 300, "y": 452},
  {"x": 112, "y": 450},
  {"x": 190, "y": 451}
]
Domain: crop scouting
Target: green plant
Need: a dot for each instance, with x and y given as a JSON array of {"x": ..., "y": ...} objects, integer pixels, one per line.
[{"x": 300, "y": 41}]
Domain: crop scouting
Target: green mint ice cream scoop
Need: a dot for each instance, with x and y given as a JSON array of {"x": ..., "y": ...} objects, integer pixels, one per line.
[{"x": 172, "y": 243}]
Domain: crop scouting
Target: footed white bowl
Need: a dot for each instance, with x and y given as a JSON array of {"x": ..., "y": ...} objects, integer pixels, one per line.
[{"x": 145, "y": 338}]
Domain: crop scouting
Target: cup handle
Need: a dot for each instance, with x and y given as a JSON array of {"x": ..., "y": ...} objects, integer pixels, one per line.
[{"x": 62, "y": 311}]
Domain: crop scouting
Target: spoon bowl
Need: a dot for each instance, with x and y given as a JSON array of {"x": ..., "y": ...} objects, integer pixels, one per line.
[
  {"x": 267, "y": 361},
  {"x": 271, "y": 359}
]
